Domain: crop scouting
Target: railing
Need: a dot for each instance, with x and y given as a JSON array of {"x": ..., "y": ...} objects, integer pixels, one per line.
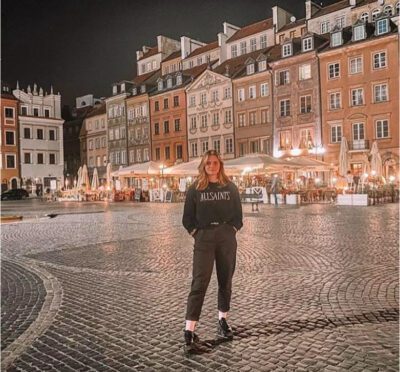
[{"x": 359, "y": 145}]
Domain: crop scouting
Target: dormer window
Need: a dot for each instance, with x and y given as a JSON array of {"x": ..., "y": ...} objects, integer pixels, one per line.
[
  {"x": 375, "y": 14},
  {"x": 359, "y": 32},
  {"x": 250, "y": 69},
  {"x": 388, "y": 10},
  {"x": 143, "y": 89},
  {"x": 382, "y": 26},
  {"x": 160, "y": 85},
  {"x": 262, "y": 65},
  {"x": 287, "y": 50},
  {"x": 364, "y": 17},
  {"x": 179, "y": 79},
  {"x": 307, "y": 44},
  {"x": 336, "y": 39},
  {"x": 169, "y": 82},
  {"x": 134, "y": 91},
  {"x": 123, "y": 87},
  {"x": 115, "y": 89}
]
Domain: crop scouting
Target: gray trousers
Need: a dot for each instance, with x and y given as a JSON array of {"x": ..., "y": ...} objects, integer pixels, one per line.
[{"x": 216, "y": 244}]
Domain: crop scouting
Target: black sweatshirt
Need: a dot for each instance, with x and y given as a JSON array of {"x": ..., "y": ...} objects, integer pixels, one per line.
[{"x": 214, "y": 204}]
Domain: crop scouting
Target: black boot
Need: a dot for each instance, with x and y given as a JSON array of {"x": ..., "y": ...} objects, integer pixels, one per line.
[
  {"x": 193, "y": 345},
  {"x": 224, "y": 331}
]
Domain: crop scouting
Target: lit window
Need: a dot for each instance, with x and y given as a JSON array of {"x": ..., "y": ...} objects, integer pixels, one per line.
[{"x": 305, "y": 72}]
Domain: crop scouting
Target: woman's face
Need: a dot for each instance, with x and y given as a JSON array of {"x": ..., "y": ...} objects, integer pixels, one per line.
[{"x": 212, "y": 166}]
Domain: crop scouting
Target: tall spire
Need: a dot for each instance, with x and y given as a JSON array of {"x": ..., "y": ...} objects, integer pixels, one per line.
[
  {"x": 17, "y": 85},
  {"x": 51, "y": 90}
]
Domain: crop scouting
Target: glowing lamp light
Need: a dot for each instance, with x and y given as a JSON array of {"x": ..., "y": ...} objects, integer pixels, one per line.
[
  {"x": 275, "y": 175},
  {"x": 295, "y": 152},
  {"x": 278, "y": 154},
  {"x": 189, "y": 179},
  {"x": 298, "y": 180},
  {"x": 334, "y": 179},
  {"x": 366, "y": 175},
  {"x": 346, "y": 188},
  {"x": 164, "y": 186},
  {"x": 392, "y": 178},
  {"x": 317, "y": 180},
  {"x": 373, "y": 173}
]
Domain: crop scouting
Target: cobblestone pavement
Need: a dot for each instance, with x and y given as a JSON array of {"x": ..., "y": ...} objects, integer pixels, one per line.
[{"x": 103, "y": 288}]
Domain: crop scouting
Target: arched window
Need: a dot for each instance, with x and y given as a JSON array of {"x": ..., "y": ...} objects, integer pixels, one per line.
[
  {"x": 398, "y": 8},
  {"x": 364, "y": 17},
  {"x": 375, "y": 13},
  {"x": 388, "y": 10}
]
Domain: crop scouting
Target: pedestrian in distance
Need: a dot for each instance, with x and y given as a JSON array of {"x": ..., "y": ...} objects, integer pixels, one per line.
[{"x": 212, "y": 215}]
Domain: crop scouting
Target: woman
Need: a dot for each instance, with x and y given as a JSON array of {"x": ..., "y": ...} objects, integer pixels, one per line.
[{"x": 212, "y": 215}]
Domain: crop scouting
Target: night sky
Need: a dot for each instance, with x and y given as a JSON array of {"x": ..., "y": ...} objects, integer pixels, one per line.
[{"x": 83, "y": 46}]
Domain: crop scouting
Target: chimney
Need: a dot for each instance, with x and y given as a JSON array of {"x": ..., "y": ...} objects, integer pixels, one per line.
[
  {"x": 311, "y": 8},
  {"x": 226, "y": 71}
]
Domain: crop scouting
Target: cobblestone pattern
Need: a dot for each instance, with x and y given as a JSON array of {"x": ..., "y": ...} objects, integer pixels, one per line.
[
  {"x": 22, "y": 297},
  {"x": 316, "y": 289}
]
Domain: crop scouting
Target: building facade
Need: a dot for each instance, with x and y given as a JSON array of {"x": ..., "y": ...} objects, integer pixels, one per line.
[{"x": 9, "y": 140}]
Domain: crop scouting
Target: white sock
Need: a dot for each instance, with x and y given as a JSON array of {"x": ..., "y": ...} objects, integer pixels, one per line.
[
  {"x": 190, "y": 325},
  {"x": 222, "y": 315}
]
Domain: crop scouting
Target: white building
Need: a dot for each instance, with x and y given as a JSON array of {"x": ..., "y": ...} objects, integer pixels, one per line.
[
  {"x": 210, "y": 115},
  {"x": 41, "y": 138}
]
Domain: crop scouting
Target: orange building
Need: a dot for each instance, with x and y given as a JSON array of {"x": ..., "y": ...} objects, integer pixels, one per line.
[
  {"x": 360, "y": 93},
  {"x": 168, "y": 116},
  {"x": 9, "y": 139}
]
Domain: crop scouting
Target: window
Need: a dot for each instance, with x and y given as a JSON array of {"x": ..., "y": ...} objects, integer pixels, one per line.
[
  {"x": 356, "y": 65},
  {"x": 35, "y": 112},
  {"x": 9, "y": 112},
  {"x": 333, "y": 70},
  {"x": 234, "y": 51},
  {"x": 228, "y": 116},
  {"x": 167, "y": 153},
  {"x": 264, "y": 116},
  {"x": 264, "y": 90},
  {"x": 252, "y": 92},
  {"x": 306, "y": 140},
  {"x": 116, "y": 133},
  {"x": 177, "y": 123},
  {"x": 214, "y": 96},
  {"x": 27, "y": 157},
  {"x": 242, "y": 149},
  {"x": 146, "y": 154},
  {"x": 160, "y": 85},
  {"x": 380, "y": 93},
  {"x": 97, "y": 143},
  {"x": 262, "y": 65},
  {"x": 165, "y": 103},
  {"x": 98, "y": 161},
  {"x": 156, "y": 129},
  {"x": 27, "y": 133},
  {"x": 357, "y": 97},
  {"x": 243, "y": 47},
  {"x": 379, "y": 60},
  {"x": 169, "y": 83},
  {"x": 325, "y": 27},
  {"x": 358, "y": 132},
  {"x": 103, "y": 124},
  {"x": 10, "y": 138},
  {"x": 203, "y": 98},
  {"x": 227, "y": 93},
  {"x": 166, "y": 126},
  {"x": 240, "y": 93},
  {"x": 24, "y": 111},
  {"x": 285, "y": 107},
  {"x": 334, "y": 101},
  {"x": 192, "y": 101},
  {"x": 336, "y": 39},
  {"x": 382, "y": 129},
  {"x": 252, "y": 118},
  {"x": 46, "y": 113},
  {"x": 156, "y": 106},
  {"x": 285, "y": 140},
  {"x": 217, "y": 145},
  {"x": 375, "y": 13},
  {"x": 158, "y": 153},
  {"x": 52, "y": 135},
  {"x": 305, "y": 72},
  {"x": 398, "y": 8},
  {"x": 193, "y": 124},
  {"x": 39, "y": 134},
  {"x": 263, "y": 41},
  {"x": 287, "y": 50},
  {"x": 10, "y": 161},
  {"x": 194, "y": 149},
  {"x": 382, "y": 26},
  {"x": 250, "y": 69},
  {"x": 179, "y": 151},
  {"x": 111, "y": 135},
  {"x": 91, "y": 145},
  {"x": 199, "y": 61},
  {"x": 191, "y": 64},
  {"x": 307, "y": 44},
  {"x": 336, "y": 133},
  {"x": 305, "y": 104},
  {"x": 40, "y": 158},
  {"x": 253, "y": 45},
  {"x": 241, "y": 120},
  {"x": 215, "y": 118},
  {"x": 179, "y": 80},
  {"x": 283, "y": 77},
  {"x": 176, "y": 101},
  {"x": 359, "y": 33},
  {"x": 204, "y": 146},
  {"x": 229, "y": 145},
  {"x": 204, "y": 121},
  {"x": 340, "y": 22},
  {"x": 103, "y": 142},
  {"x": 364, "y": 17}
]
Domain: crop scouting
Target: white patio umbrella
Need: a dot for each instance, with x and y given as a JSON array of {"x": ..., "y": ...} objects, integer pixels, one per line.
[
  {"x": 253, "y": 162},
  {"x": 95, "y": 180},
  {"x": 85, "y": 177},
  {"x": 79, "y": 181},
  {"x": 376, "y": 160},
  {"x": 141, "y": 169},
  {"x": 184, "y": 169},
  {"x": 343, "y": 160}
]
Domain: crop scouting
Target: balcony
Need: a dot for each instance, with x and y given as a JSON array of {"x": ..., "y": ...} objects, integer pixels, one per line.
[{"x": 360, "y": 145}]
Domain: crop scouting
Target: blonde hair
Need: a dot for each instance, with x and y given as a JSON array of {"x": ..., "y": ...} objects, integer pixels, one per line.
[{"x": 202, "y": 180}]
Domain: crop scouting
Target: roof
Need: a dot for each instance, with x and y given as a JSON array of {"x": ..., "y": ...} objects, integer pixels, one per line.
[
  {"x": 140, "y": 79},
  {"x": 97, "y": 110},
  {"x": 294, "y": 24},
  {"x": 331, "y": 8},
  {"x": 173, "y": 56},
  {"x": 82, "y": 112},
  {"x": 254, "y": 28},
  {"x": 204, "y": 49},
  {"x": 151, "y": 52},
  {"x": 8, "y": 96}
]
